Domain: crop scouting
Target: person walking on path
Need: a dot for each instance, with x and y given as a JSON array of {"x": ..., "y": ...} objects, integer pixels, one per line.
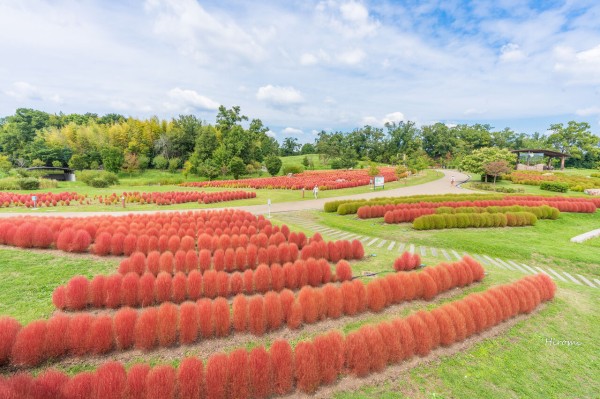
[
  {"x": 452, "y": 181},
  {"x": 316, "y": 191}
]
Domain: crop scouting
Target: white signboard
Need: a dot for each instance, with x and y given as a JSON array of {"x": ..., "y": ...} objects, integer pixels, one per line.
[{"x": 378, "y": 181}]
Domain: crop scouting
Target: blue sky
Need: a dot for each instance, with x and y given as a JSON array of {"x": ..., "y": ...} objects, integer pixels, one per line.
[{"x": 304, "y": 66}]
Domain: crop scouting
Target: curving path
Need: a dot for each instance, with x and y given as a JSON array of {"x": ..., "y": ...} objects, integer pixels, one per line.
[{"x": 440, "y": 186}]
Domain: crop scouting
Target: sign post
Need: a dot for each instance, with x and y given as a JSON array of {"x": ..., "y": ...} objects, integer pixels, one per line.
[
  {"x": 379, "y": 181},
  {"x": 123, "y": 200},
  {"x": 34, "y": 199},
  {"x": 269, "y": 205}
]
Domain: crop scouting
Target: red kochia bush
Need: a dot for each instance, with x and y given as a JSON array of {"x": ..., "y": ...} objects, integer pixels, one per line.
[
  {"x": 101, "y": 335},
  {"x": 136, "y": 381},
  {"x": 216, "y": 376},
  {"x": 283, "y": 366},
  {"x": 146, "y": 328},
  {"x": 447, "y": 331},
  {"x": 330, "y": 351},
  {"x": 9, "y": 328},
  {"x": 102, "y": 244},
  {"x": 146, "y": 289},
  {"x": 160, "y": 382},
  {"x": 256, "y": 316},
  {"x": 237, "y": 370},
  {"x": 124, "y": 327},
  {"x": 430, "y": 289},
  {"x": 190, "y": 376},
  {"x": 56, "y": 344},
  {"x": 76, "y": 293},
  {"x": 357, "y": 354},
  {"x": 421, "y": 335},
  {"x": 262, "y": 278},
  {"x": 209, "y": 279},
  {"x": 378, "y": 352},
  {"x": 194, "y": 285},
  {"x": 167, "y": 324},
  {"x": 163, "y": 287},
  {"x": 240, "y": 310},
  {"x": 375, "y": 296},
  {"x": 82, "y": 386},
  {"x": 261, "y": 373},
  {"x": 179, "y": 287},
  {"x": 205, "y": 317},
  {"x": 334, "y": 301},
  {"x": 343, "y": 271},
  {"x": 111, "y": 380},
  {"x": 112, "y": 287},
  {"x": 358, "y": 252},
  {"x": 48, "y": 384},
  {"x": 97, "y": 294},
  {"x": 188, "y": 323},
  {"x": 28, "y": 347},
  {"x": 42, "y": 236},
  {"x": 307, "y": 367},
  {"x": 221, "y": 317},
  {"x": 130, "y": 289}
]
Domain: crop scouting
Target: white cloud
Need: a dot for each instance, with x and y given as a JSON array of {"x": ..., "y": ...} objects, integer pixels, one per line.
[
  {"x": 308, "y": 59},
  {"x": 279, "y": 95},
  {"x": 588, "y": 111},
  {"x": 393, "y": 117},
  {"x": 271, "y": 133},
  {"x": 189, "y": 100},
  {"x": 24, "y": 92},
  {"x": 582, "y": 66},
  {"x": 291, "y": 131},
  {"x": 511, "y": 52},
  {"x": 352, "y": 57}
]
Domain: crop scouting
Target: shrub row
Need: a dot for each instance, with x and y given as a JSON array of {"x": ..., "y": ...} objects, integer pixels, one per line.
[
  {"x": 557, "y": 187},
  {"x": 258, "y": 373},
  {"x": 565, "y": 204},
  {"x": 407, "y": 261},
  {"x": 324, "y": 179},
  {"x": 169, "y": 324},
  {"x": 43, "y": 199},
  {"x": 558, "y": 181},
  {"x": 176, "y": 197},
  {"x": 132, "y": 290},
  {"x": 541, "y": 212},
  {"x": 464, "y": 220}
]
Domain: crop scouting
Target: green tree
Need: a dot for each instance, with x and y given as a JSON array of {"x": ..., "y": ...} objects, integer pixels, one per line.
[
  {"x": 373, "y": 169},
  {"x": 305, "y": 162},
  {"x": 174, "y": 164},
  {"x": 476, "y": 161},
  {"x": 37, "y": 163},
  {"x": 439, "y": 140},
  {"x": 273, "y": 164},
  {"x": 208, "y": 169},
  {"x": 404, "y": 138},
  {"x": 237, "y": 167},
  {"x": 183, "y": 135},
  {"x": 289, "y": 146},
  {"x": 78, "y": 162},
  {"x": 578, "y": 141},
  {"x": 496, "y": 169},
  {"x": 131, "y": 163},
  {"x": 112, "y": 159},
  {"x": 307, "y": 148}
]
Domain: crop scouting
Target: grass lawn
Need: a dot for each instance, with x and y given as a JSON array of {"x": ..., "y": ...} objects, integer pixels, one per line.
[
  {"x": 546, "y": 243},
  {"x": 262, "y": 195},
  {"x": 518, "y": 363},
  {"x": 297, "y": 160}
]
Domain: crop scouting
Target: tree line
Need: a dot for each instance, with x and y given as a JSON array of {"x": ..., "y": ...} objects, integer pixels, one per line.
[{"x": 236, "y": 145}]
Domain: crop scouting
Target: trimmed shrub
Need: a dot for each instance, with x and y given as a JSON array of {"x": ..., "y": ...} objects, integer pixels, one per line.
[
  {"x": 205, "y": 317},
  {"x": 261, "y": 372},
  {"x": 343, "y": 271},
  {"x": 237, "y": 369},
  {"x": 376, "y": 296},
  {"x": 378, "y": 353},
  {"x": 283, "y": 366},
  {"x": 421, "y": 334},
  {"x": 9, "y": 328},
  {"x": 307, "y": 367},
  {"x": 209, "y": 279},
  {"x": 556, "y": 187},
  {"x": 190, "y": 377},
  {"x": 273, "y": 311},
  {"x": 28, "y": 347},
  {"x": 55, "y": 345},
  {"x": 330, "y": 352},
  {"x": 357, "y": 354},
  {"x": 82, "y": 386},
  {"x": 194, "y": 285},
  {"x": 146, "y": 329},
  {"x": 188, "y": 323},
  {"x": 136, "y": 381},
  {"x": 168, "y": 324},
  {"x": 101, "y": 338},
  {"x": 216, "y": 377},
  {"x": 111, "y": 380},
  {"x": 112, "y": 286},
  {"x": 256, "y": 316},
  {"x": 240, "y": 313},
  {"x": 163, "y": 287},
  {"x": 221, "y": 317},
  {"x": 76, "y": 293},
  {"x": 130, "y": 289},
  {"x": 161, "y": 382},
  {"x": 124, "y": 328}
]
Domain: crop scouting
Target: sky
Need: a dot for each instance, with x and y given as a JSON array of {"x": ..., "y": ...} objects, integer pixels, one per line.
[{"x": 303, "y": 66}]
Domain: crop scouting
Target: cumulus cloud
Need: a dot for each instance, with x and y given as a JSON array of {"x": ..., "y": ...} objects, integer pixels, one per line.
[
  {"x": 588, "y": 111},
  {"x": 271, "y": 133},
  {"x": 393, "y": 117},
  {"x": 308, "y": 59},
  {"x": 511, "y": 52},
  {"x": 291, "y": 131},
  {"x": 24, "y": 91},
  {"x": 189, "y": 100},
  {"x": 279, "y": 95},
  {"x": 352, "y": 57},
  {"x": 581, "y": 66}
]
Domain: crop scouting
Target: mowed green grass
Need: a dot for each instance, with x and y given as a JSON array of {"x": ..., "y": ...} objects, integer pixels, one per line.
[
  {"x": 545, "y": 244},
  {"x": 518, "y": 363},
  {"x": 262, "y": 196}
]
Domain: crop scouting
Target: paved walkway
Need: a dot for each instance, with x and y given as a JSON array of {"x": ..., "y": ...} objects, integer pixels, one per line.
[
  {"x": 440, "y": 186},
  {"x": 449, "y": 254}
]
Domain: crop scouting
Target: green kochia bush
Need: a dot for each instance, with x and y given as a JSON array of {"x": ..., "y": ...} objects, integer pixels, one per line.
[
  {"x": 464, "y": 220},
  {"x": 541, "y": 212},
  {"x": 554, "y": 186},
  {"x": 28, "y": 183}
]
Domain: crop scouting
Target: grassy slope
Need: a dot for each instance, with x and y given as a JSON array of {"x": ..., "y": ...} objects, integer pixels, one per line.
[
  {"x": 261, "y": 195},
  {"x": 518, "y": 363},
  {"x": 546, "y": 243}
]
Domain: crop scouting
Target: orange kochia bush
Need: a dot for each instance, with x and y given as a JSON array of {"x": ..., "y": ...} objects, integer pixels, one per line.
[
  {"x": 169, "y": 324},
  {"x": 311, "y": 364}
]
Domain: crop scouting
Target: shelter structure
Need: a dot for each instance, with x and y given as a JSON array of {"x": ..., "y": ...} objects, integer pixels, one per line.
[
  {"x": 531, "y": 155},
  {"x": 56, "y": 173}
]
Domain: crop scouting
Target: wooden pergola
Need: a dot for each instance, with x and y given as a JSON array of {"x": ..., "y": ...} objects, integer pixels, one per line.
[{"x": 547, "y": 153}]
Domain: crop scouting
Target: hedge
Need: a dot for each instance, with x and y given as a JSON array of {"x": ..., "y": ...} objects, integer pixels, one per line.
[
  {"x": 463, "y": 220},
  {"x": 554, "y": 186}
]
